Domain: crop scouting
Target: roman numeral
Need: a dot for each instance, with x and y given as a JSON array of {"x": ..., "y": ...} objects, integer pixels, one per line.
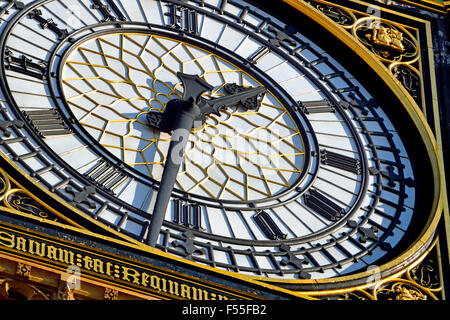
[
  {"x": 320, "y": 106},
  {"x": 11, "y": 3},
  {"x": 181, "y": 18},
  {"x": 48, "y": 24},
  {"x": 268, "y": 226},
  {"x": 25, "y": 65},
  {"x": 107, "y": 10},
  {"x": 188, "y": 215},
  {"x": 323, "y": 206},
  {"x": 106, "y": 176},
  {"x": 47, "y": 122},
  {"x": 340, "y": 161}
]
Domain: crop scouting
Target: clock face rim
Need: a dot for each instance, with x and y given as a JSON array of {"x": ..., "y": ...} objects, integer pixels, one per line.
[{"x": 422, "y": 126}]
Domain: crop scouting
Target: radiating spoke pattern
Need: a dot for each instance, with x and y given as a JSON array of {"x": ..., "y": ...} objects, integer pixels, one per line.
[{"x": 111, "y": 82}]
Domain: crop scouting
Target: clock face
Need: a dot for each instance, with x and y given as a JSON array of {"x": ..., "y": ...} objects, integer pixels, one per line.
[
  {"x": 315, "y": 183},
  {"x": 111, "y": 83}
]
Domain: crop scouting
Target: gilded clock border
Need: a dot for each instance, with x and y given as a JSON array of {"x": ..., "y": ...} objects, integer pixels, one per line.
[{"x": 434, "y": 148}]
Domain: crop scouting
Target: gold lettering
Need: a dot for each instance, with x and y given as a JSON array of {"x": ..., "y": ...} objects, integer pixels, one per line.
[
  {"x": 144, "y": 279},
  {"x": 199, "y": 294},
  {"x": 97, "y": 265},
  {"x": 65, "y": 256},
  {"x": 21, "y": 244},
  {"x": 87, "y": 262},
  {"x": 108, "y": 268},
  {"x": 51, "y": 253},
  {"x": 173, "y": 287},
  {"x": 7, "y": 239},
  {"x": 130, "y": 272},
  {"x": 185, "y": 291},
  {"x": 213, "y": 296},
  {"x": 40, "y": 248},
  {"x": 154, "y": 283},
  {"x": 163, "y": 285}
]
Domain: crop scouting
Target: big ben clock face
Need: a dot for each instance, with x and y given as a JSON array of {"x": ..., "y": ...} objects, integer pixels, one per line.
[{"x": 312, "y": 180}]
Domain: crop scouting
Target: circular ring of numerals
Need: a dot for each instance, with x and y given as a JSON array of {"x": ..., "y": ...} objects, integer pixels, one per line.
[{"x": 346, "y": 185}]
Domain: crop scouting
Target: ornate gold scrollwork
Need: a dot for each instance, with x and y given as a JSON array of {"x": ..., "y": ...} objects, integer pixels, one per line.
[
  {"x": 409, "y": 78},
  {"x": 392, "y": 43},
  {"x": 420, "y": 281},
  {"x": 341, "y": 15},
  {"x": 387, "y": 37},
  {"x": 22, "y": 200},
  {"x": 400, "y": 289},
  {"x": 12, "y": 196},
  {"x": 4, "y": 184}
]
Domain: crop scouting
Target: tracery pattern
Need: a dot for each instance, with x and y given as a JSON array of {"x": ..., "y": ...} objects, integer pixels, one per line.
[{"x": 112, "y": 82}]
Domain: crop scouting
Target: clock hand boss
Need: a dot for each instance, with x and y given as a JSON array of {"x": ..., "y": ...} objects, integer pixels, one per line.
[{"x": 178, "y": 118}]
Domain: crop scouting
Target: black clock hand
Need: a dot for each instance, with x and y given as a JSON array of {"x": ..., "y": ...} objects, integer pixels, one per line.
[
  {"x": 246, "y": 97},
  {"x": 194, "y": 86},
  {"x": 179, "y": 118}
]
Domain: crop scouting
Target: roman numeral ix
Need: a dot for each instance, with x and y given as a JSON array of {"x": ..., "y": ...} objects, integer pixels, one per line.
[{"x": 25, "y": 65}]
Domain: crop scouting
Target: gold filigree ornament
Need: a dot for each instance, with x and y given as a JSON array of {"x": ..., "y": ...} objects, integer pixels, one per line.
[
  {"x": 5, "y": 185},
  {"x": 390, "y": 42},
  {"x": 401, "y": 289},
  {"x": 341, "y": 15},
  {"x": 408, "y": 76},
  {"x": 21, "y": 200}
]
